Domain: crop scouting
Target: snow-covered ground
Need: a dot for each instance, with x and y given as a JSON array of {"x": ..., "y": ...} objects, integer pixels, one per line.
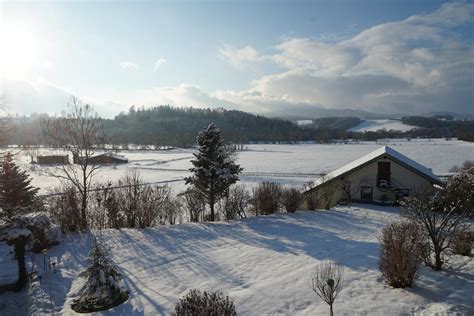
[
  {"x": 386, "y": 124},
  {"x": 264, "y": 264},
  {"x": 291, "y": 165}
]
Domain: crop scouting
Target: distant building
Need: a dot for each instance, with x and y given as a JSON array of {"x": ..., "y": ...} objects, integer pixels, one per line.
[
  {"x": 383, "y": 176},
  {"x": 53, "y": 160},
  {"x": 104, "y": 159}
]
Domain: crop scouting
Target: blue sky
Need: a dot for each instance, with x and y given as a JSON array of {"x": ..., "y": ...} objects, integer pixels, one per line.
[{"x": 259, "y": 56}]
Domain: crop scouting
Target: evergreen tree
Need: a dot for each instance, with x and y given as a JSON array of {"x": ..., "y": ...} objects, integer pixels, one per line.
[
  {"x": 16, "y": 188},
  {"x": 214, "y": 167}
]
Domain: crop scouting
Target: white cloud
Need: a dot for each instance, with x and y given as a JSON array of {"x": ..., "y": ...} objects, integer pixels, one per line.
[
  {"x": 160, "y": 61},
  {"x": 129, "y": 66},
  {"x": 416, "y": 65},
  {"x": 240, "y": 57}
]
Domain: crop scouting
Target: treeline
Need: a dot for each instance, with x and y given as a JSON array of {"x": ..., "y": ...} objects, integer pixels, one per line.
[
  {"x": 170, "y": 126},
  {"x": 166, "y": 125},
  {"x": 442, "y": 127}
]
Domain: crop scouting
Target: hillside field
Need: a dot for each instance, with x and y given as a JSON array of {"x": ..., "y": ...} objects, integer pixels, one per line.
[{"x": 263, "y": 263}]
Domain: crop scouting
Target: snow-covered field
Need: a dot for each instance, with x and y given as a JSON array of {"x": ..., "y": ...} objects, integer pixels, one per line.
[
  {"x": 264, "y": 264},
  {"x": 386, "y": 124},
  {"x": 291, "y": 165}
]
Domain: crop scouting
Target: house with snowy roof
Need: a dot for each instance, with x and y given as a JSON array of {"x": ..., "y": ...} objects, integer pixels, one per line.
[
  {"x": 382, "y": 176},
  {"x": 103, "y": 159}
]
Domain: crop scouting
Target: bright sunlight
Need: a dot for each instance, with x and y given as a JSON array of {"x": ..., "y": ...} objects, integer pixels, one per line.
[{"x": 20, "y": 48}]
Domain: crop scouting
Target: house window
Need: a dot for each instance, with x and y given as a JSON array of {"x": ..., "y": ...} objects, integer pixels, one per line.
[{"x": 383, "y": 174}]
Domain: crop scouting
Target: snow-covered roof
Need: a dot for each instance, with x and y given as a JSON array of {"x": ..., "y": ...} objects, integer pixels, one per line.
[
  {"x": 383, "y": 151},
  {"x": 115, "y": 156}
]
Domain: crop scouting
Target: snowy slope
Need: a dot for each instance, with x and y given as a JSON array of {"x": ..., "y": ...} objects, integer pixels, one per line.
[
  {"x": 304, "y": 122},
  {"x": 375, "y": 125},
  {"x": 264, "y": 264}
]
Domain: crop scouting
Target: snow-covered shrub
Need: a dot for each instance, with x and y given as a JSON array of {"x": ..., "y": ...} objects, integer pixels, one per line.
[
  {"x": 16, "y": 233},
  {"x": 310, "y": 198},
  {"x": 144, "y": 205},
  {"x": 44, "y": 233},
  {"x": 65, "y": 210},
  {"x": 291, "y": 199},
  {"x": 327, "y": 282},
  {"x": 441, "y": 213},
  {"x": 266, "y": 198},
  {"x": 400, "y": 253},
  {"x": 198, "y": 302},
  {"x": 311, "y": 201},
  {"x": 462, "y": 241},
  {"x": 458, "y": 194},
  {"x": 103, "y": 287},
  {"x": 105, "y": 208},
  {"x": 468, "y": 164},
  {"x": 194, "y": 203},
  {"x": 235, "y": 203}
]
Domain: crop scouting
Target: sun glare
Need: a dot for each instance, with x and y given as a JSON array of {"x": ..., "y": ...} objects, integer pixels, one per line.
[{"x": 19, "y": 49}]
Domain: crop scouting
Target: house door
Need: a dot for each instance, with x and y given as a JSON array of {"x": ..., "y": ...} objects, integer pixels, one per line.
[
  {"x": 383, "y": 173},
  {"x": 366, "y": 193}
]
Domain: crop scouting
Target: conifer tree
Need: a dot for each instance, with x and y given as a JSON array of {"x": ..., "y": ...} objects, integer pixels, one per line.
[
  {"x": 214, "y": 168},
  {"x": 16, "y": 188}
]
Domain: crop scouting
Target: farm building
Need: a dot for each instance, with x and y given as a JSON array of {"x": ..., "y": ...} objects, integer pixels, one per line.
[
  {"x": 53, "y": 160},
  {"x": 105, "y": 159},
  {"x": 383, "y": 176}
]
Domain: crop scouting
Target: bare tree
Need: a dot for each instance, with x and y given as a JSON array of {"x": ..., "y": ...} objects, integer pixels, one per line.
[
  {"x": 194, "y": 203},
  {"x": 235, "y": 202},
  {"x": 327, "y": 191},
  {"x": 309, "y": 196},
  {"x": 326, "y": 282},
  {"x": 346, "y": 188},
  {"x": 32, "y": 152},
  {"x": 79, "y": 131},
  {"x": 440, "y": 221},
  {"x": 6, "y": 128}
]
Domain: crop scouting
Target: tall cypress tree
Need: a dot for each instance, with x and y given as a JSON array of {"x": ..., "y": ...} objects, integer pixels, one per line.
[
  {"x": 214, "y": 168},
  {"x": 16, "y": 188}
]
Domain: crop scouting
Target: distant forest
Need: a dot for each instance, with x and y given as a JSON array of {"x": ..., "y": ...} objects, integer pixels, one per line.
[{"x": 170, "y": 126}]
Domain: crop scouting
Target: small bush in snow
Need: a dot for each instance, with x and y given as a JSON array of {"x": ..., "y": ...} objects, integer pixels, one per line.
[
  {"x": 194, "y": 204},
  {"x": 44, "y": 233},
  {"x": 461, "y": 244},
  {"x": 103, "y": 287},
  {"x": 235, "y": 203},
  {"x": 266, "y": 198},
  {"x": 65, "y": 210},
  {"x": 198, "y": 302},
  {"x": 401, "y": 251},
  {"x": 291, "y": 199},
  {"x": 326, "y": 282}
]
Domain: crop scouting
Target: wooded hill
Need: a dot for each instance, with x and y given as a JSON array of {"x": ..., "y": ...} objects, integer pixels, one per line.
[
  {"x": 170, "y": 126},
  {"x": 166, "y": 125}
]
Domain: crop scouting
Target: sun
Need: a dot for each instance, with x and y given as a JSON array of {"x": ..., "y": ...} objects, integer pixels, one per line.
[{"x": 19, "y": 49}]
